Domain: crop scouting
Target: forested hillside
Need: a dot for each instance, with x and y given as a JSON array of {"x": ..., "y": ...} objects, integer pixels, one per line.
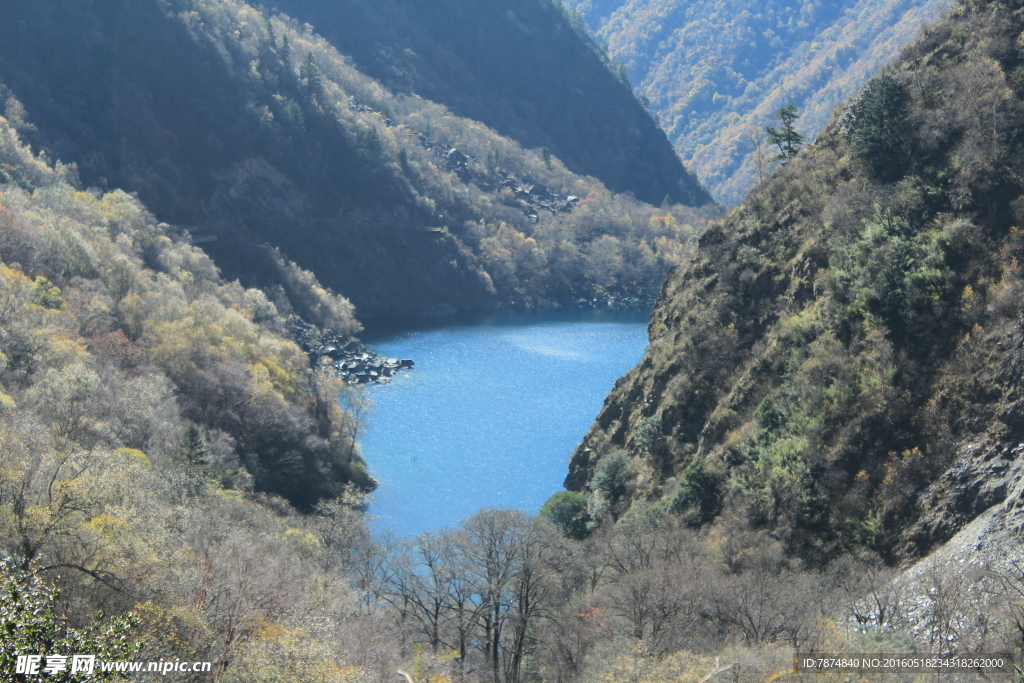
[
  {"x": 251, "y": 130},
  {"x": 176, "y": 484},
  {"x": 119, "y": 337},
  {"x": 521, "y": 68},
  {"x": 839, "y": 361},
  {"x": 151, "y": 419},
  {"x": 833, "y": 386},
  {"x": 715, "y": 72}
]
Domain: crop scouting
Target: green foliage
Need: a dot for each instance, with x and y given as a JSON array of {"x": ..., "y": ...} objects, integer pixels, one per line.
[
  {"x": 368, "y": 140},
  {"x": 837, "y": 342},
  {"x": 610, "y": 477},
  {"x": 891, "y": 274},
  {"x": 700, "y": 489},
  {"x": 493, "y": 165},
  {"x": 648, "y": 433},
  {"x": 755, "y": 56},
  {"x": 567, "y": 510},
  {"x": 303, "y": 156},
  {"x": 193, "y": 451},
  {"x": 875, "y": 122},
  {"x": 47, "y": 293},
  {"x": 870, "y": 532},
  {"x": 309, "y": 75},
  {"x": 169, "y": 359},
  {"x": 535, "y": 76},
  {"x": 786, "y": 138},
  {"x": 30, "y": 624}
]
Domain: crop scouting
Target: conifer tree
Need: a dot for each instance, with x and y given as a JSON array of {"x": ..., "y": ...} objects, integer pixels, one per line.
[
  {"x": 271, "y": 38},
  {"x": 309, "y": 74},
  {"x": 786, "y": 138},
  {"x": 193, "y": 449},
  {"x": 286, "y": 52}
]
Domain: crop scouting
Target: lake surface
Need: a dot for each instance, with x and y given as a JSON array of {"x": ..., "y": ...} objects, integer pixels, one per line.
[{"x": 492, "y": 411}]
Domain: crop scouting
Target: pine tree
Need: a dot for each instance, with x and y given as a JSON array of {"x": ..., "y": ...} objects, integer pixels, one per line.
[
  {"x": 309, "y": 74},
  {"x": 786, "y": 138},
  {"x": 193, "y": 449},
  {"x": 286, "y": 52}
]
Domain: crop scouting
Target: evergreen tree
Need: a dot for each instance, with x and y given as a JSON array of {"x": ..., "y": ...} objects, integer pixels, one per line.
[
  {"x": 309, "y": 74},
  {"x": 193, "y": 449},
  {"x": 271, "y": 38},
  {"x": 875, "y": 122},
  {"x": 286, "y": 52},
  {"x": 493, "y": 163},
  {"x": 786, "y": 138},
  {"x": 368, "y": 140}
]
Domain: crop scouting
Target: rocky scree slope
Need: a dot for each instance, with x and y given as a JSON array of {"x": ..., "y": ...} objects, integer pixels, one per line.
[{"x": 841, "y": 359}]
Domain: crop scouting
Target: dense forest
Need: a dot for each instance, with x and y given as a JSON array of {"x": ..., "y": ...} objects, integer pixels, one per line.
[
  {"x": 524, "y": 69},
  {"x": 121, "y": 338},
  {"x": 838, "y": 361},
  {"x": 263, "y": 134},
  {"x": 715, "y": 72},
  {"x": 832, "y": 386}
]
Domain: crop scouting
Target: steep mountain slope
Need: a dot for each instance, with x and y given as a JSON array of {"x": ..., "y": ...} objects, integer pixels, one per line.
[
  {"x": 119, "y": 341},
  {"x": 251, "y": 131},
  {"x": 522, "y": 69},
  {"x": 715, "y": 72},
  {"x": 840, "y": 361}
]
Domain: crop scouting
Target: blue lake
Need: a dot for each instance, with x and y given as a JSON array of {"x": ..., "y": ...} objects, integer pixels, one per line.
[{"x": 492, "y": 411}]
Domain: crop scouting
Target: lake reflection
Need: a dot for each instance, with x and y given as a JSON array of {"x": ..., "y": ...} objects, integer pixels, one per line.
[{"x": 491, "y": 413}]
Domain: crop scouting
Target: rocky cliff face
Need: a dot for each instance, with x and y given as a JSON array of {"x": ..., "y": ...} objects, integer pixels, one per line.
[{"x": 840, "y": 360}]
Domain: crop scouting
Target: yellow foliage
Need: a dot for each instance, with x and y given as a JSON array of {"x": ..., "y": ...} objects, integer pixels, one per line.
[
  {"x": 134, "y": 454},
  {"x": 279, "y": 653},
  {"x": 108, "y": 526},
  {"x": 170, "y": 630},
  {"x": 303, "y": 542},
  {"x": 230, "y": 494}
]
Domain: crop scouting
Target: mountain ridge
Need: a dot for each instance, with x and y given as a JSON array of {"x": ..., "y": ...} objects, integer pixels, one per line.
[
  {"x": 265, "y": 135},
  {"x": 521, "y": 68},
  {"x": 838, "y": 361},
  {"x": 757, "y": 57}
]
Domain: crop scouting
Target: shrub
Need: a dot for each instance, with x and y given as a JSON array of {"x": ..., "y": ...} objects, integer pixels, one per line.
[{"x": 567, "y": 510}]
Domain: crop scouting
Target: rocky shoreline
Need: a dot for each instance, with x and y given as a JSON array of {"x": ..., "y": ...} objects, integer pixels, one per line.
[
  {"x": 356, "y": 363},
  {"x": 352, "y": 360}
]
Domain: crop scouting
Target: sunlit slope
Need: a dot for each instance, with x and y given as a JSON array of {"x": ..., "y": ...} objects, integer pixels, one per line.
[
  {"x": 251, "y": 130},
  {"x": 716, "y": 71},
  {"x": 839, "y": 362},
  {"x": 521, "y": 68}
]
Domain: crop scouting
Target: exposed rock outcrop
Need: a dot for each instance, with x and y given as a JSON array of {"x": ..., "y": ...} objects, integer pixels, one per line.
[{"x": 354, "y": 361}]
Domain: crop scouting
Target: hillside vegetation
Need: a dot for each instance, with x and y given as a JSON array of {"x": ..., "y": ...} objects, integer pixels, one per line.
[
  {"x": 715, "y": 72},
  {"x": 838, "y": 362},
  {"x": 252, "y": 130},
  {"x": 834, "y": 380},
  {"x": 177, "y": 484},
  {"x": 519, "y": 67},
  {"x": 118, "y": 337}
]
